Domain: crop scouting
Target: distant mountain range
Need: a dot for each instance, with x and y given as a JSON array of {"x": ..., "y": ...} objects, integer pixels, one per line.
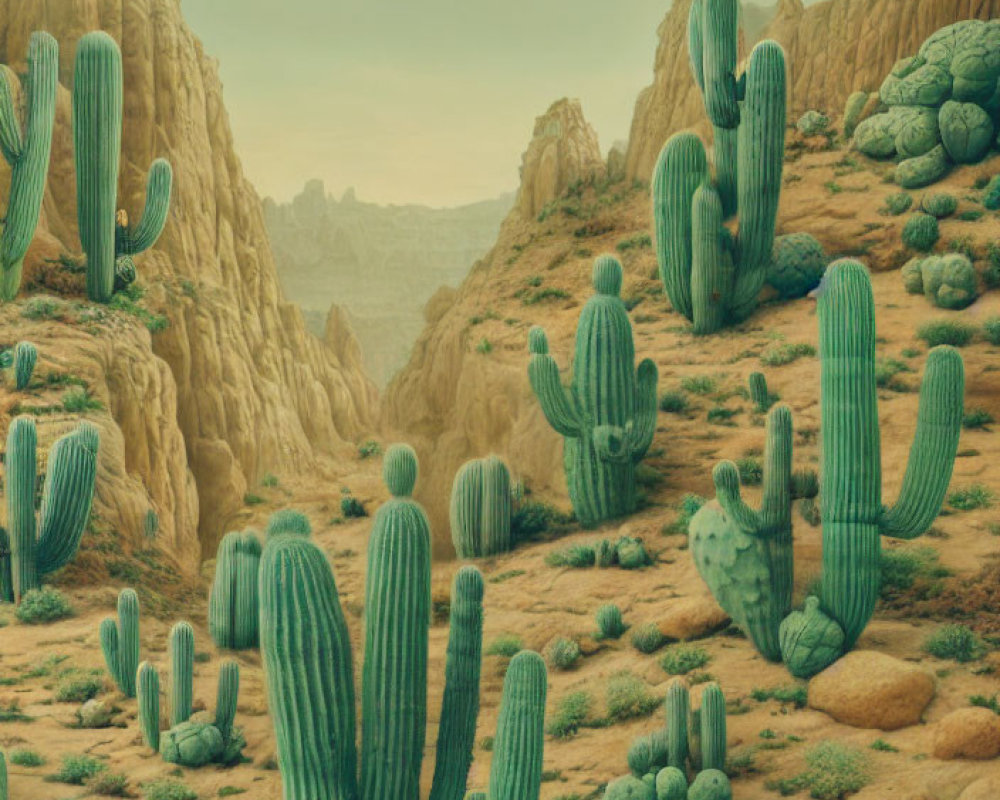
[{"x": 380, "y": 263}]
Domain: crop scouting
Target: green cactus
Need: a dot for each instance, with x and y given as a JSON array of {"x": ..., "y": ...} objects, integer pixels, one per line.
[
  {"x": 759, "y": 395},
  {"x": 810, "y": 640},
  {"x": 481, "y": 508},
  {"x": 6, "y": 579},
  {"x": 233, "y": 603},
  {"x": 27, "y": 153},
  {"x": 713, "y": 728},
  {"x": 516, "y": 773},
  {"x": 460, "y": 705},
  {"x": 948, "y": 281},
  {"x": 192, "y": 743},
  {"x": 66, "y": 500},
  {"x": 288, "y": 521},
  {"x": 797, "y": 264},
  {"x": 710, "y": 784},
  {"x": 920, "y": 232},
  {"x": 853, "y": 109},
  {"x": 3, "y": 777},
  {"x": 97, "y": 134},
  {"x": 710, "y": 278},
  {"x": 226, "y": 697},
  {"x": 678, "y": 706},
  {"x": 120, "y": 642},
  {"x": 25, "y": 357},
  {"x": 609, "y": 622},
  {"x": 608, "y": 415},
  {"x": 181, "y": 672},
  {"x": 671, "y": 784},
  {"x": 148, "y": 692}
]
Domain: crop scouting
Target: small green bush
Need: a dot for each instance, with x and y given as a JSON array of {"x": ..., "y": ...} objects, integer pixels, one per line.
[
  {"x": 168, "y": 790},
  {"x": 109, "y": 784},
  {"x": 883, "y": 746},
  {"x": 900, "y": 568},
  {"x": 484, "y": 346},
  {"x": 42, "y": 308},
  {"x": 956, "y": 642},
  {"x": 75, "y": 689},
  {"x": 751, "y": 471},
  {"x": 610, "y": 624},
  {"x": 921, "y": 232},
  {"x": 577, "y": 556},
  {"x": 43, "y": 605},
  {"x": 886, "y": 370},
  {"x": 627, "y": 697},
  {"x": 805, "y": 484},
  {"x": 77, "y": 769},
  {"x": 780, "y": 354},
  {"x": 673, "y": 402},
  {"x": 720, "y": 415},
  {"x": 991, "y": 194},
  {"x": 350, "y": 506},
  {"x": 369, "y": 448},
  {"x": 796, "y": 695},
  {"x": 571, "y": 713},
  {"x": 834, "y": 770},
  {"x": 562, "y": 653},
  {"x": 507, "y": 645},
  {"x": 647, "y": 638},
  {"x": 78, "y": 400},
  {"x": 991, "y": 330},
  {"x": 680, "y": 659},
  {"x": 977, "y": 418},
  {"x": 25, "y": 758},
  {"x": 969, "y": 498},
  {"x": 699, "y": 384},
  {"x": 939, "y": 204},
  {"x": 896, "y": 204},
  {"x": 941, "y": 331}
]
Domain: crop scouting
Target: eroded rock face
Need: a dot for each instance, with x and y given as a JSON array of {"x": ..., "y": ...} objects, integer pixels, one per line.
[
  {"x": 254, "y": 392},
  {"x": 832, "y": 49},
  {"x": 563, "y": 149}
]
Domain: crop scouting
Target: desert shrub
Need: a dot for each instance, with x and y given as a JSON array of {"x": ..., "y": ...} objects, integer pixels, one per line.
[
  {"x": 42, "y": 308},
  {"x": 484, "y": 346},
  {"x": 25, "y": 758},
  {"x": 943, "y": 331},
  {"x": 647, "y": 638},
  {"x": 780, "y": 354},
  {"x": 168, "y": 790},
  {"x": 939, "y": 204},
  {"x": 680, "y": 659},
  {"x": 751, "y": 471},
  {"x": 886, "y": 370},
  {"x": 78, "y": 400},
  {"x": 562, "y": 653},
  {"x": 43, "y": 605},
  {"x": 796, "y": 695},
  {"x": 532, "y": 519},
  {"x": 673, "y": 402},
  {"x": 833, "y": 770},
  {"x": 77, "y": 689},
  {"x": 576, "y": 556},
  {"x": 350, "y": 506},
  {"x": 610, "y": 624},
  {"x": 969, "y": 498},
  {"x": 896, "y": 204},
  {"x": 109, "y": 784},
  {"x": 805, "y": 484},
  {"x": 976, "y": 418},
  {"x": 627, "y": 697},
  {"x": 991, "y": 194},
  {"x": 506, "y": 644},
  {"x": 901, "y": 568},
  {"x": 369, "y": 448},
  {"x": 991, "y": 330},
  {"x": 570, "y": 714},
  {"x": 720, "y": 415},
  {"x": 699, "y": 384},
  {"x": 687, "y": 507},
  {"x": 921, "y": 232},
  {"x": 77, "y": 769},
  {"x": 956, "y": 642}
]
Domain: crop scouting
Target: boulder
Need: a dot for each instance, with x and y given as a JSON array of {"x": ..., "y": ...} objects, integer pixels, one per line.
[
  {"x": 95, "y": 714},
  {"x": 968, "y": 733},
  {"x": 984, "y": 789},
  {"x": 692, "y": 618}
]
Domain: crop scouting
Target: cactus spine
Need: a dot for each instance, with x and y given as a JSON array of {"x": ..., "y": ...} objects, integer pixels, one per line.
[
  {"x": 710, "y": 278},
  {"x": 97, "y": 136},
  {"x": 25, "y": 357},
  {"x": 745, "y": 556},
  {"x": 233, "y": 603},
  {"x": 480, "y": 508},
  {"x": 226, "y": 697},
  {"x": 66, "y": 499},
  {"x": 148, "y": 691},
  {"x": 181, "y": 672},
  {"x": 608, "y": 415},
  {"x": 516, "y": 773},
  {"x": 120, "y": 642},
  {"x": 28, "y": 155}
]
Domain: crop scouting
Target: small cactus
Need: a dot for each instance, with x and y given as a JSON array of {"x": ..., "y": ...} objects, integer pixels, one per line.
[
  {"x": 148, "y": 692},
  {"x": 120, "y": 642},
  {"x": 288, "y": 521},
  {"x": 609, "y": 622},
  {"x": 181, "y": 672},
  {"x": 232, "y": 605},
  {"x": 481, "y": 508},
  {"x": 25, "y": 357}
]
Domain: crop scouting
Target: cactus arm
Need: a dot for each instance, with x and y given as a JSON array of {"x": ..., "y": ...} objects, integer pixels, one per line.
[
  {"x": 776, "y": 506},
  {"x": 725, "y": 149},
  {"x": 720, "y": 41},
  {"x": 6, "y": 580},
  {"x": 227, "y": 693},
  {"x": 557, "y": 405},
  {"x": 932, "y": 456},
  {"x": 11, "y": 140},
  {"x": 19, "y": 486},
  {"x": 67, "y": 497},
  {"x": 695, "y": 49},
  {"x": 644, "y": 421},
  {"x": 711, "y": 267},
  {"x": 761, "y": 153},
  {"x": 154, "y": 216},
  {"x": 727, "y": 491},
  {"x": 612, "y": 443},
  {"x": 148, "y": 693}
]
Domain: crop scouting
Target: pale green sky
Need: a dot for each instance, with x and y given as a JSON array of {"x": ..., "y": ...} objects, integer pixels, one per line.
[{"x": 429, "y": 102}]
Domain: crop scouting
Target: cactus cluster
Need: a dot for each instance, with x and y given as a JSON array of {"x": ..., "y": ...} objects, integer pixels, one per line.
[
  {"x": 481, "y": 508},
  {"x": 232, "y": 604},
  {"x": 27, "y": 152},
  {"x": 107, "y": 238},
  {"x": 710, "y": 277},
  {"x": 745, "y": 556},
  {"x": 310, "y": 680},
  {"x": 607, "y": 415},
  {"x": 692, "y": 744},
  {"x": 39, "y": 546},
  {"x": 120, "y": 642},
  {"x": 947, "y": 281}
]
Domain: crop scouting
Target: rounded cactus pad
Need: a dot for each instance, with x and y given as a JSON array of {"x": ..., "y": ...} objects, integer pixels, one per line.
[
  {"x": 399, "y": 470},
  {"x": 538, "y": 342},
  {"x": 711, "y": 784},
  {"x": 629, "y": 788},
  {"x": 921, "y": 232},
  {"x": 671, "y": 784},
  {"x": 607, "y": 275}
]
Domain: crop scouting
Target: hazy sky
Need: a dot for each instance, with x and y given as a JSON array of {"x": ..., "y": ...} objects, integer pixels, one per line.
[{"x": 426, "y": 101}]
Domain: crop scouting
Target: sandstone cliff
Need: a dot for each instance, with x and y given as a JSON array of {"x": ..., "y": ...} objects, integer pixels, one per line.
[
  {"x": 834, "y": 48},
  {"x": 255, "y": 392}
]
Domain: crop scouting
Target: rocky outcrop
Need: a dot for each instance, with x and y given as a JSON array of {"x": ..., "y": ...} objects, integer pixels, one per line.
[
  {"x": 563, "y": 149},
  {"x": 833, "y": 48},
  {"x": 382, "y": 263},
  {"x": 255, "y": 392}
]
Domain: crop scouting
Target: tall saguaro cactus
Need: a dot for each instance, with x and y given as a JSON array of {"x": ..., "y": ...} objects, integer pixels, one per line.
[
  {"x": 232, "y": 604},
  {"x": 308, "y": 665},
  {"x": 710, "y": 277},
  {"x": 745, "y": 556},
  {"x": 27, "y": 153},
  {"x": 480, "y": 508},
  {"x": 38, "y": 547},
  {"x": 108, "y": 241},
  {"x": 608, "y": 414}
]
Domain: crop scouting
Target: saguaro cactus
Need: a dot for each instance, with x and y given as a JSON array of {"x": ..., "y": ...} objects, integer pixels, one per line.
[
  {"x": 233, "y": 604},
  {"x": 480, "y": 508},
  {"x": 711, "y": 278},
  {"x": 120, "y": 642},
  {"x": 107, "y": 239},
  {"x": 66, "y": 500},
  {"x": 307, "y": 661},
  {"x": 27, "y": 153},
  {"x": 516, "y": 773},
  {"x": 608, "y": 415},
  {"x": 226, "y": 697},
  {"x": 745, "y": 556},
  {"x": 181, "y": 672},
  {"x": 25, "y": 357},
  {"x": 148, "y": 691}
]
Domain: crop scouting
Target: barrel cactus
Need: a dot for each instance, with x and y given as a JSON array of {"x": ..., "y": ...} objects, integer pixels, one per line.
[
  {"x": 232, "y": 605},
  {"x": 481, "y": 508},
  {"x": 948, "y": 281},
  {"x": 745, "y": 555},
  {"x": 43, "y": 545},
  {"x": 310, "y": 681},
  {"x": 709, "y": 277},
  {"x": 607, "y": 416},
  {"x": 609, "y": 622},
  {"x": 120, "y": 642},
  {"x": 27, "y": 152},
  {"x": 106, "y": 236},
  {"x": 921, "y": 232},
  {"x": 25, "y": 358},
  {"x": 797, "y": 265}
]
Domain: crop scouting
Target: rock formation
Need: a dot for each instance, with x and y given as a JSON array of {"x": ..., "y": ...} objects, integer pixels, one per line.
[
  {"x": 563, "y": 149},
  {"x": 832, "y": 48},
  {"x": 255, "y": 392}
]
